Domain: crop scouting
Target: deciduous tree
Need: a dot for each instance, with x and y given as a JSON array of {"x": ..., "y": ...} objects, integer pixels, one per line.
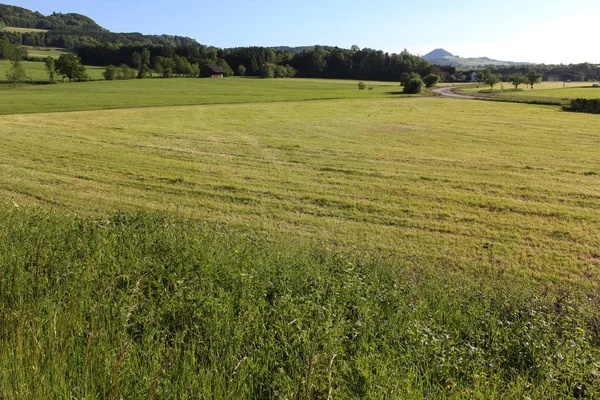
[
  {"x": 223, "y": 64},
  {"x": 136, "y": 60},
  {"x": 50, "y": 67},
  {"x": 16, "y": 72},
  {"x": 517, "y": 79},
  {"x": 491, "y": 80},
  {"x": 532, "y": 77},
  {"x": 69, "y": 66}
]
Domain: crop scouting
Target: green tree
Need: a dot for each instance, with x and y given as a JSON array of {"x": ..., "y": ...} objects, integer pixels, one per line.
[
  {"x": 413, "y": 85},
  {"x": 517, "y": 79},
  {"x": 431, "y": 80},
  {"x": 50, "y": 67},
  {"x": 164, "y": 66},
  {"x": 146, "y": 57},
  {"x": 136, "y": 60},
  {"x": 532, "y": 77},
  {"x": 194, "y": 71},
  {"x": 267, "y": 70},
  {"x": 483, "y": 75},
  {"x": 126, "y": 72},
  {"x": 223, "y": 64},
  {"x": 491, "y": 80},
  {"x": 241, "y": 70},
  {"x": 407, "y": 77},
  {"x": 11, "y": 52},
  {"x": 111, "y": 73},
  {"x": 69, "y": 66},
  {"x": 144, "y": 72},
  {"x": 16, "y": 73}
]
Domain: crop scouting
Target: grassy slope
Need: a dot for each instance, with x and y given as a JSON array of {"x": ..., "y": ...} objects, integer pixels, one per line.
[
  {"x": 177, "y": 91},
  {"x": 37, "y": 72},
  {"x": 433, "y": 179}
]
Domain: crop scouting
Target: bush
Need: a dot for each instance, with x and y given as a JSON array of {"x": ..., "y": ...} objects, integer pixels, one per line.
[
  {"x": 284, "y": 71},
  {"x": 119, "y": 73},
  {"x": 111, "y": 73},
  {"x": 144, "y": 72},
  {"x": 431, "y": 80},
  {"x": 126, "y": 72},
  {"x": 267, "y": 70},
  {"x": 405, "y": 77},
  {"x": 413, "y": 86},
  {"x": 241, "y": 70},
  {"x": 361, "y": 86},
  {"x": 591, "y": 106}
]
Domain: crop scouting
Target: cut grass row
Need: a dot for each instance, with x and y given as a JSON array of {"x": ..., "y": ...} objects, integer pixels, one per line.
[{"x": 463, "y": 185}]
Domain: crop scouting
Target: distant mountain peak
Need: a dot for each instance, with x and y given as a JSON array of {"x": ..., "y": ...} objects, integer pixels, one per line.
[
  {"x": 443, "y": 57},
  {"x": 438, "y": 53}
]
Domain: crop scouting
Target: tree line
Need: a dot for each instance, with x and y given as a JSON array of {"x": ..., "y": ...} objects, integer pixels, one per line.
[
  {"x": 491, "y": 79},
  {"x": 316, "y": 62},
  {"x": 550, "y": 72}
]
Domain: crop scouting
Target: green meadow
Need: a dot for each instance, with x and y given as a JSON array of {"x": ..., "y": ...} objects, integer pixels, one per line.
[
  {"x": 248, "y": 238},
  {"x": 22, "y": 30},
  {"x": 43, "y": 52},
  {"x": 545, "y": 92},
  {"x": 178, "y": 91},
  {"x": 36, "y": 70}
]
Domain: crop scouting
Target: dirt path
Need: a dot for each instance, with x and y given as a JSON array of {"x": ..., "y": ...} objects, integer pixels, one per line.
[{"x": 449, "y": 92}]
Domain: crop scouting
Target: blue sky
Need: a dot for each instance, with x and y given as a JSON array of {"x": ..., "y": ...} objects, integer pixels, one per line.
[{"x": 549, "y": 31}]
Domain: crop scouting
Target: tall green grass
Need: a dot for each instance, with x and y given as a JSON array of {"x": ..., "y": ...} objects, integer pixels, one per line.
[{"x": 145, "y": 306}]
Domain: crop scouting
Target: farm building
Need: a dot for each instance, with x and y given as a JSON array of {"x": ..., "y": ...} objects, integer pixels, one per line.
[{"x": 212, "y": 71}]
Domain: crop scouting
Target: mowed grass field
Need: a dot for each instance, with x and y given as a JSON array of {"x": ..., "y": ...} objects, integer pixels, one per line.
[
  {"x": 22, "y": 30},
  {"x": 179, "y": 91},
  {"x": 545, "y": 92},
  {"x": 426, "y": 178},
  {"x": 36, "y": 71},
  {"x": 295, "y": 239},
  {"x": 44, "y": 52}
]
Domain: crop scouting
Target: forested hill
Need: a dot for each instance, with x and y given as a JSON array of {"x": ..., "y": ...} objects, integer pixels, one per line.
[
  {"x": 22, "y": 18},
  {"x": 72, "y": 31}
]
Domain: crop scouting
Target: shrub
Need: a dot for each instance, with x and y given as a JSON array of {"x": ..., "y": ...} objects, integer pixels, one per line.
[
  {"x": 591, "y": 106},
  {"x": 431, "y": 80},
  {"x": 413, "y": 86},
  {"x": 267, "y": 70},
  {"x": 126, "y": 72},
  {"x": 361, "y": 86},
  {"x": 111, "y": 73}
]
